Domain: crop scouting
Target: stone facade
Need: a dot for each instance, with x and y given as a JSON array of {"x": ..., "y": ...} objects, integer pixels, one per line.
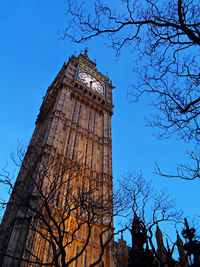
[{"x": 74, "y": 124}]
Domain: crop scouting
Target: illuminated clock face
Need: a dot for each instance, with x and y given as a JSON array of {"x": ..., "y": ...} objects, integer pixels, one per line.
[{"x": 91, "y": 82}]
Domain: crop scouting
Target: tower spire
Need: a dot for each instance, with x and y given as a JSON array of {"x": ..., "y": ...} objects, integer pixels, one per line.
[
  {"x": 73, "y": 117},
  {"x": 161, "y": 249},
  {"x": 122, "y": 236},
  {"x": 179, "y": 243}
]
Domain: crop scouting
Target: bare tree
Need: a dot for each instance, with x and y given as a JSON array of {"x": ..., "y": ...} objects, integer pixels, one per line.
[
  {"x": 143, "y": 209},
  {"x": 164, "y": 37},
  {"x": 58, "y": 204},
  {"x": 53, "y": 195}
]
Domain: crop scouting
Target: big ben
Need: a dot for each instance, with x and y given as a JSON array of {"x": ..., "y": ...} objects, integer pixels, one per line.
[{"x": 60, "y": 210}]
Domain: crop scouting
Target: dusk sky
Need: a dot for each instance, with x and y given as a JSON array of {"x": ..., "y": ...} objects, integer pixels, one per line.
[{"x": 31, "y": 55}]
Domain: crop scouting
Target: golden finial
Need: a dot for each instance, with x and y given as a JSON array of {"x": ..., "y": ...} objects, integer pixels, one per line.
[{"x": 86, "y": 51}]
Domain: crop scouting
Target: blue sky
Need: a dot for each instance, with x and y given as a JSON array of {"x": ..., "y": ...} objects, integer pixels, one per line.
[{"x": 31, "y": 55}]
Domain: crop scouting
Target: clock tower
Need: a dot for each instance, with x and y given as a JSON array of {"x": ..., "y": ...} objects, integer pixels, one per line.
[{"x": 73, "y": 129}]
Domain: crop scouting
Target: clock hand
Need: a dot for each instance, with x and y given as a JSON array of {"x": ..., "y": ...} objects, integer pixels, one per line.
[{"x": 91, "y": 83}]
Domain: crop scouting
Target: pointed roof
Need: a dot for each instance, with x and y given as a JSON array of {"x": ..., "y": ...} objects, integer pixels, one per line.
[
  {"x": 158, "y": 232},
  {"x": 179, "y": 240}
]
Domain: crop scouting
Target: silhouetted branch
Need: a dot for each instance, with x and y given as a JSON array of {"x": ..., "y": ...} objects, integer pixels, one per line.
[{"x": 184, "y": 171}]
